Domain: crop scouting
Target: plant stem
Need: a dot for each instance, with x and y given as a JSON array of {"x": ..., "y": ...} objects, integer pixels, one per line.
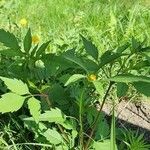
[
  {"x": 80, "y": 120},
  {"x": 98, "y": 115}
]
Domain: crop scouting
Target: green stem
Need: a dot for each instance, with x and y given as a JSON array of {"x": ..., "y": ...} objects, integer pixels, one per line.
[
  {"x": 80, "y": 120},
  {"x": 97, "y": 117}
]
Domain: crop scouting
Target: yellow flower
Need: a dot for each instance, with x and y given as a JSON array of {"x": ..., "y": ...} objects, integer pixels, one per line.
[
  {"x": 23, "y": 22},
  {"x": 92, "y": 77},
  {"x": 35, "y": 39}
]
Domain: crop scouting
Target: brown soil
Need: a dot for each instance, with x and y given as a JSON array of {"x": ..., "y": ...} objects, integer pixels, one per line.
[{"x": 132, "y": 114}]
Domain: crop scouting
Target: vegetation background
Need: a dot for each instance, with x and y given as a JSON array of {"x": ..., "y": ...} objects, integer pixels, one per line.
[{"x": 108, "y": 23}]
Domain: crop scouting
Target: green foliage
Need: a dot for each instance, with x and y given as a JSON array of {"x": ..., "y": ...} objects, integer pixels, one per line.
[
  {"x": 57, "y": 92},
  {"x": 90, "y": 48},
  {"x": 74, "y": 78},
  {"x": 130, "y": 78},
  {"x": 16, "y": 86},
  {"x": 54, "y": 115},
  {"x": 9, "y": 40},
  {"x": 122, "y": 89},
  {"x": 27, "y": 41},
  {"x": 35, "y": 108},
  {"x": 11, "y": 102},
  {"x": 133, "y": 140},
  {"x": 99, "y": 87},
  {"x": 142, "y": 87}
]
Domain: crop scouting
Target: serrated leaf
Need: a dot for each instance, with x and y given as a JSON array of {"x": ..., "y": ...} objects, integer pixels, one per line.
[
  {"x": 126, "y": 78},
  {"x": 74, "y": 78},
  {"x": 16, "y": 86},
  {"x": 70, "y": 55},
  {"x": 90, "y": 48},
  {"x": 27, "y": 41},
  {"x": 86, "y": 64},
  {"x": 99, "y": 87},
  {"x": 54, "y": 115},
  {"x": 102, "y": 130},
  {"x": 9, "y": 40},
  {"x": 11, "y": 102},
  {"x": 122, "y": 89},
  {"x": 35, "y": 108},
  {"x": 42, "y": 49},
  {"x": 109, "y": 57},
  {"x": 142, "y": 87},
  {"x": 53, "y": 136},
  {"x": 41, "y": 130}
]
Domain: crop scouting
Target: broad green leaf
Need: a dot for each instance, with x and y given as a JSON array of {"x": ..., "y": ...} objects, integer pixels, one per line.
[
  {"x": 35, "y": 108},
  {"x": 54, "y": 115},
  {"x": 109, "y": 57},
  {"x": 9, "y": 40},
  {"x": 105, "y": 145},
  {"x": 90, "y": 48},
  {"x": 42, "y": 49},
  {"x": 10, "y": 53},
  {"x": 86, "y": 64},
  {"x": 58, "y": 97},
  {"x": 70, "y": 55},
  {"x": 27, "y": 41},
  {"x": 142, "y": 87},
  {"x": 122, "y": 89},
  {"x": 41, "y": 130},
  {"x": 16, "y": 86},
  {"x": 122, "y": 48},
  {"x": 99, "y": 87},
  {"x": 126, "y": 78},
  {"x": 53, "y": 136},
  {"x": 102, "y": 130},
  {"x": 74, "y": 78},
  {"x": 11, "y": 102}
]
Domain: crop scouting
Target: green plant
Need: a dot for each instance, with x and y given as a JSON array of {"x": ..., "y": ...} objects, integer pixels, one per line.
[
  {"x": 132, "y": 140},
  {"x": 60, "y": 89}
]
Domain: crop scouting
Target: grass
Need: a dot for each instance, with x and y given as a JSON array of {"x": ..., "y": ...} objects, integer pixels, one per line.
[{"x": 108, "y": 23}]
